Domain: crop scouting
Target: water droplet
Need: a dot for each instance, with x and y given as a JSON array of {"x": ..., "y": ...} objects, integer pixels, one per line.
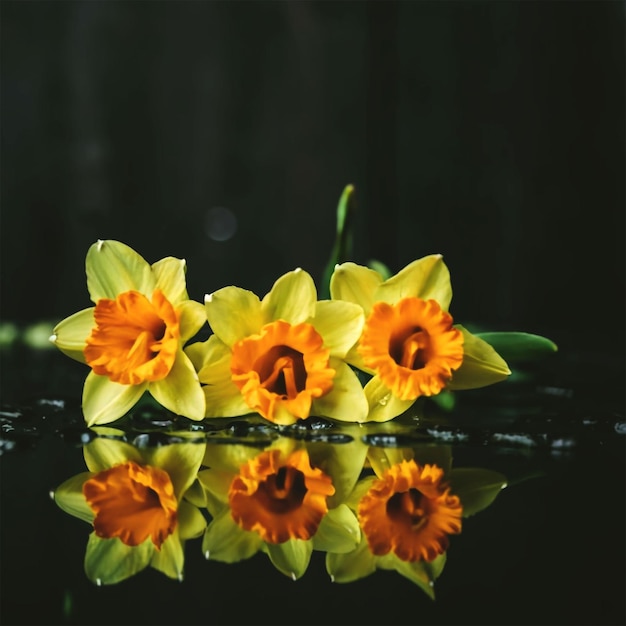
[
  {"x": 383, "y": 401},
  {"x": 99, "y": 582},
  {"x": 207, "y": 554},
  {"x": 293, "y": 576}
]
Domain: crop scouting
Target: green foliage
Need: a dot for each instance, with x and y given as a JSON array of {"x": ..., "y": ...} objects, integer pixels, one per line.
[
  {"x": 519, "y": 347},
  {"x": 342, "y": 248}
]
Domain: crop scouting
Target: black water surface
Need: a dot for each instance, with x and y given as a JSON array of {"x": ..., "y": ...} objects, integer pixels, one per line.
[{"x": 549, "y": 550}]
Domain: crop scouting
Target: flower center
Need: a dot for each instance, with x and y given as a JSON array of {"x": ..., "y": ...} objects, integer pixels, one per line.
[
  {"x": 410, "y": 512},
  {"x": 408, "y": 508},
  {"x": 135, "y": 340},
  {"x": 284, "y": 367},
  {"x": 280, "y": 500},
  {"x": 132, "y": 502},
  {"x": 412, "y": 346}
]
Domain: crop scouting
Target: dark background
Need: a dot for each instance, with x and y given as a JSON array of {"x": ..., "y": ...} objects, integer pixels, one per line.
[{"x": 491, "y": 132}]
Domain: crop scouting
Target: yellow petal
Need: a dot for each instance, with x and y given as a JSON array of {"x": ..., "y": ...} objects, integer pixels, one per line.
[
  {"x": 191, "y": 522},
  {"x": 170, "y": 559},
  {"x": 339, "y": 531},
  {"x": 346, "y": 400},
  {"x": 180, "y": 391},
  {"x": 181, "y": 461},
  {"x": 427, "y": 278},
  {"x": 109, "y": 561},
  {"x": 355, "y": 283},
  {"x": 350, "y": 566},
  {"x": 223, "y": 397},
  {"x": 292, "y": 298},
  {"x": 70, "y": 335},
  {"x": 105, "y": 401},
  {"x": 103, "y": 453},
  {"x": 69, "y": 497},
  {"x": 225, "y": 541},
  {"x": 169, "y": 274},
  {"x": 192, "y": 318},
  {"x": 113, "y": 268},
  {"x": 291, "y": 557},
  {"x": 340, "y": 325},
  {"x": 481, "y": 366},
  {"x": 383, "y": 405},
  {"x": 233, "y": 313}
]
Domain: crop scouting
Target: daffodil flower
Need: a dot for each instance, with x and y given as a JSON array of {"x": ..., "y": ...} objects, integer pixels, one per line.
[
  {"x": 134, "y": 501},
  {"x": 409, "y": 342},
  {"x": 408, "y": 510},
  {"x": 282, "y": 356},
  {"x": 276, "y": 502},
  {"x": 133, "y": 337}
]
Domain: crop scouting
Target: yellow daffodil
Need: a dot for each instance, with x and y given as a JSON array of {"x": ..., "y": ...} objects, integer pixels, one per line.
[
  {"x": 410, "y": 512},
  {"x": 133, "y": 337},
  {"x": 282, "y": 356},
  {"x": 278, "y": 502},
  {"x": 134, "y": 501},
  {"x": 409, "y": 509},
  {"x": 409, "y": 342}
]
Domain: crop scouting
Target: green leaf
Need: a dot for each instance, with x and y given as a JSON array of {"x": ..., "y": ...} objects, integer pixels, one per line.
[
  {"x": 477, "y": 488},
  {"x": 380, "y": 267},
  {"x": 517, "y": 346},
  {"x": 342, "y": 248}
]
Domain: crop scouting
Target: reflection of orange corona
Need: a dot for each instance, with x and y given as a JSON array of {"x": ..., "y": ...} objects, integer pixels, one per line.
[
  {"x": 135, "y": 340},
  {"x": 410, "y": 512},
  {"x": 132, "y": 502},
  {"x": 280, "y": 500},
  {"x": 284, "y": 364},
  {"x": 412, "y": 346}
]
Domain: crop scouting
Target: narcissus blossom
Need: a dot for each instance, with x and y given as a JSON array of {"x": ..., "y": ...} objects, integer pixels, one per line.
[
  {"x": 277, "y": 502},
  {"x": 409, "y": 342},
  {"x": 133, "y": 337},
  {"x": 410, "y": 512},
  {"x": 282, "y": 356},
  {"x": 134, "y": 499}
]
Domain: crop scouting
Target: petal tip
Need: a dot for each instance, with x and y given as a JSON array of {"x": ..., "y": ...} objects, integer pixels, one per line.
[
  {"x": 52, "y": 338},
  {"x": 208, "y": 297},
  {"x": 99, "y": 244}
]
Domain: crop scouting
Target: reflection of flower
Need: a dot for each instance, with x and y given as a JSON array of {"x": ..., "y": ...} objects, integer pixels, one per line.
[
  {"x": 134, "y": 500},
  {"x": 282, "y": 356},
  {"x": 275, "y": 502},
  {"x": 280, "y": 501},
  {"x": 410, "y": 512},
  {"x": 133, "y": 338},
  {"x": 409, "y": 343}
]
